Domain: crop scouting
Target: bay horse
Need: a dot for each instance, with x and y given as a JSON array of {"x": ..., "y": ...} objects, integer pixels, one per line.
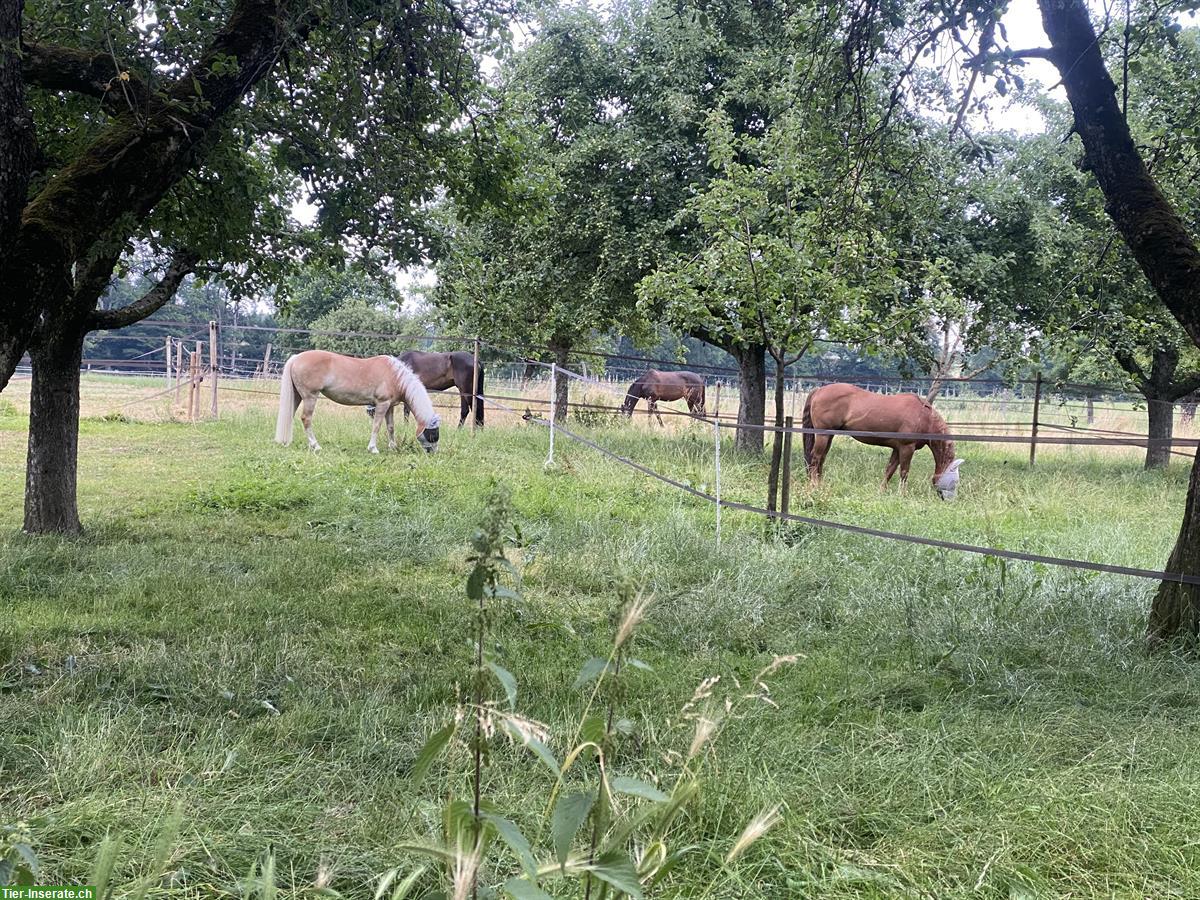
[
  {"x": 656, "y": 385},
  {"x": 439, "y": 371},
  {"x": 382, "y": 381},
  {"x": 850, "y": 408}
]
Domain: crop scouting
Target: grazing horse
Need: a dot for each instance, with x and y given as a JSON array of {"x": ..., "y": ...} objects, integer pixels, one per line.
[
  {"x": 850, "y": 408},
  {"x": 382, "y": 381},
  {"x": 439, "y": 371},
  {"x": 656, "y": 385}
]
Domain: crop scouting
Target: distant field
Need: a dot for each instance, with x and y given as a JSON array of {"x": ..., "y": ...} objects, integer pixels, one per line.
[{"x": 264, "y": 638}]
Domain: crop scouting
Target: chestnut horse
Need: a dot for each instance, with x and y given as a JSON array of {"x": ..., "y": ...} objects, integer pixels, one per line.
[
  {"x": 382, "y": 381},
  {"x": 656, "y": 385},
  {"x": 850, "y": 408},
  {"x": 439, "y": 371}
]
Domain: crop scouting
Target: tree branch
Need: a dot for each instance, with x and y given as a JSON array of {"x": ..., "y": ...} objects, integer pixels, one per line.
[
  {"x": 1185, "y": 386},
  {"x": 182, "y": 263},
  {"x": 58, "y": 68},
  {"x": 1127, "y": 362}
]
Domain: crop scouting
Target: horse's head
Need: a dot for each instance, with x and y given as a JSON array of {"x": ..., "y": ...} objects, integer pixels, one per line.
[
  {"x": 429, "y": 433},
  {"x": 946, "y": 483}
]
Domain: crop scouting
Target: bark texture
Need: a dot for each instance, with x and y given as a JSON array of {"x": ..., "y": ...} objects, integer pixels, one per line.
[{"x": 752, "y": 396}]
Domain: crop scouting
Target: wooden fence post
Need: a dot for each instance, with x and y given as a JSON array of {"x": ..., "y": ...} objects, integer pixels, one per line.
[
  {"x": 1037, "y": 403},
  {"x": 787, "y": 467},
  {"x": 475, "y": 387},
  {"x": 213, "y": 363},
  {"x": 168, "y": 361},
  {"x": 717, "y": 406},
  {"x": 194, "y": 385},
  {"x": 266, "y": 369},
  {"x": 178, "y": 369}
]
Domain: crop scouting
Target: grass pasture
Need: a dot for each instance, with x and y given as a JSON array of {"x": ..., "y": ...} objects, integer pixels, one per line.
[{"x": 264, "y": 638}]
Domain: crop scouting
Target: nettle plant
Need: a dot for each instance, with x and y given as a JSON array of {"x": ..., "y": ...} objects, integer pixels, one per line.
[{"x": 601, "y": 833}]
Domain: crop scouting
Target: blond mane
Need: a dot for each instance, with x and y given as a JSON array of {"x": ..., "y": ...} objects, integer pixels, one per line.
[{"x": 414, "y": 393}]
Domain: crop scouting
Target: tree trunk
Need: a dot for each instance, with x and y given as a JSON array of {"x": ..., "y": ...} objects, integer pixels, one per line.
[
  {"x": 1158, "y": 240},
  {"x": 1175, "y": 611},
  {"x": 50, "y": 506},
  {"x": 776, "y": 438},
  {"x": 752, "y": 396},
  {"x": 562, "y": 384},
  {"x": 1160, "y": 414}
]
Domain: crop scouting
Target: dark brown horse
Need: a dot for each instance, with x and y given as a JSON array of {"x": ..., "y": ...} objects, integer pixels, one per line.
[
  {"x": 439, "y": 371},
  {"x": 656, "y": 385},
  {"x": 849, "y": 408}
]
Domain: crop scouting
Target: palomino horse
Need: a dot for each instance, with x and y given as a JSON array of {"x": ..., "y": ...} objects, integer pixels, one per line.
[
  {"x": 382, "y": 381},
  {"x": 439, "y": 371},
  {"x": 849, "y": 408},
  {"x": 656, "y": 385}
]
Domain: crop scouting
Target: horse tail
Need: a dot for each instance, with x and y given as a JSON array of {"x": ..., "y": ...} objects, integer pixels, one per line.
[
  {"x": 289, "y": 399},
  {"x": 479, "y": 404},
  {"x": 806, "y": 421}
]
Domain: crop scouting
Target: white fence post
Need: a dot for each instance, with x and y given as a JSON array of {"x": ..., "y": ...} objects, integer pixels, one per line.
[
  {"x": 553, "y": 411},
  {"x": 717, "y": 458}
]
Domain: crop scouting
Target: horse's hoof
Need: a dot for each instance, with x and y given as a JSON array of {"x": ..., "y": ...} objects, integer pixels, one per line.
[{"x": 374, "y": 450}]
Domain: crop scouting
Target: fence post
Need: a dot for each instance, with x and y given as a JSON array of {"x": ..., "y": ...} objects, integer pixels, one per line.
[
  {"x": 475, "y": 387},
  {"x": 1091, "y": 409},
  {"x": 213, "y": 363},
  {"x": 267, "y": 362},
  {"x": 168, "y": 362},
  {"x": 1037, "y": 402},
  {"x": 717, "y": 465},
  {"x": 787, "y": 468},
  {"x": 553, "y": 411},
  {"x": 194, "y": 384},
  {"x": 178, "y": 369},
  {"x": 717, "y": 405}
]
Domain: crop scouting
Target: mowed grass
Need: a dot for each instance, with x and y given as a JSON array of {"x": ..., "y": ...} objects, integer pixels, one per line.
[{"x": 264, "y": 638}]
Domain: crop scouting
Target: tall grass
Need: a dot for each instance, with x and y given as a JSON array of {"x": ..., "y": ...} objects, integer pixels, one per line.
[{"x": 266, "y": 638}]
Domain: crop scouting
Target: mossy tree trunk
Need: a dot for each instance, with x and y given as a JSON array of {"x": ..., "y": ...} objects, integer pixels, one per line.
[{"x": 53, "y": 453}]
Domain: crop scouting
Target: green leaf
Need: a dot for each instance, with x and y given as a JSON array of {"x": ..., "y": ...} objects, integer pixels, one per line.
[
  {"x": 403, "y": 888},
  {"x": 475, "y": 583},
  {"x": 28, "y": 856},
  {"x": 542, "y": 752},
  {"x": 520, "y": 889},
  {"x": 617, "y": 869},
  {"x": 635, "y": 788},
  {"x": 593, "y": 730},
  {"x": 568, "y": 817},
  {"x": 505, "y": 678},
  {"x": 458, "y": 818},
  {"x": 536, "y": 747},
  {"x": 432, "y": 749},
  {"x": 517, "y": 842},
  {"x": 590, "y": 671}
]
